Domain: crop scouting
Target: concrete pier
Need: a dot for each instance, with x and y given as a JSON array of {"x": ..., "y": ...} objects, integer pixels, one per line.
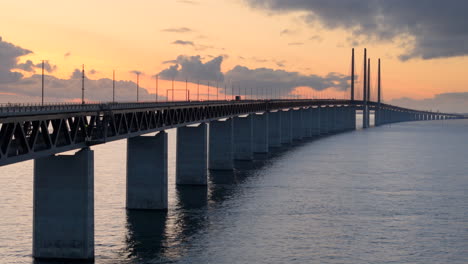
[
  {"x": 221, "y": 145},
  {"x": 330, "y": 122},
  {"x": 316, "y": 116},
  {"x": 324, "y": 120},
  {"x": 307, "y": 122},
  {"x": 260, "y": 133},
  {"x": 147, "y": 172},
  {"x": 286, "y": 127},
  {"x": 297, "y": 125},
  {"x": 274, "y": 129},
  {"x": 243, "y": 138},
  {"x": 191, "y": 159},
  {"x": 63, "y": 218}
]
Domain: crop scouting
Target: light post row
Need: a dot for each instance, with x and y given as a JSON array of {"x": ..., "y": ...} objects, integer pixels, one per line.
[{"x": 262, "y": 93}]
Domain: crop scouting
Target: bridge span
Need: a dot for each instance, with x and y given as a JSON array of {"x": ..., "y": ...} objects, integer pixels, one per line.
[{"x": 210, "y": 136}]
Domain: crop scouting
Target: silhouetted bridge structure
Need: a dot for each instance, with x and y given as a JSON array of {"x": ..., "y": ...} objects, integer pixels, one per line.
[
  {"x": 210, "y": 136},
  {"x": 63, "y": 219}
]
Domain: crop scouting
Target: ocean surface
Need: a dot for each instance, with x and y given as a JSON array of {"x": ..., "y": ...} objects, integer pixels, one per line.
[{"x": 392, "y": 194}]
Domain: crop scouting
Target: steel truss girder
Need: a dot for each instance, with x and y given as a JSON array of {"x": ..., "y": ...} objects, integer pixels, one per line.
[{"x": 36, "y": 134}]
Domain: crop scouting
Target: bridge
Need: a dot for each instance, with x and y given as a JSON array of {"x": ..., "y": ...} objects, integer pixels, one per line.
[
  {"x": 210, "y": 136},
  {"x": 63, "y": 218}
]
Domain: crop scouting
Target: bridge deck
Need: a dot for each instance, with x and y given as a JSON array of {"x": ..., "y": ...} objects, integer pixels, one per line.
[{"x": 32, "y": 131}]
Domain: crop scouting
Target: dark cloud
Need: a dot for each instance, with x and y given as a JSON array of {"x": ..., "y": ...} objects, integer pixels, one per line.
[
  {"x": 47, "y": 66},
  {"x": 178, "y": 30},
  {"x": 29, "y": 66},
  {"x": 9, "y": 55},
  {"x": 183, "y": 43},
  {"x": 66, "y": 55},
  {"x": 76, "y": 74},
  {"x": 432, "y": 28},
  {"x": 192, "y": 68},
  {"x": 446, "y": 102},
  {"x": 92, "y": 72},
  {"x": 264, "y": 78}
]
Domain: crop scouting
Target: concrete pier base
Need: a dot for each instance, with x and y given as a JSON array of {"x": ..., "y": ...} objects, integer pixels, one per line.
[
  {"x": 221, "y": 146},
  {"x": 63, "y": 218},
  {"x": 274, "y": 129},
  {"x": 297, "y": 125},
  {"x": 243, "y": 138},
  {"x": 191, "y": 158},
  {"x": 286, "y": 127},
  {"x": 147, "y": 172},
  {"x": 260, "y": 133}
]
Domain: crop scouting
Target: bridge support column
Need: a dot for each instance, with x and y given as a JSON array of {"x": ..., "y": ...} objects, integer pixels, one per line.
[
  {"x": 340, "y": 116},
  {"x": 286, "y": 127},
  {"x": 352, "y": 124},
  {"x": 297, "y": 124},
  {"x": 331, "y": 120},
  {"x": 221, "y": 145},
  {"x": 365, "y": 116},
  {"x": 315, "y": 121},
  {"x": 191, "y": 158},
  {"x": 274, "y": 129},
  {"x": 64, "y": 206},
  {"x": 307, "y": 122},
  {"x": 147, "y": 172},
  {"x": 243, "y": 138},
  {"x": 377, "y": 119},
  {"x": 324, "y": 120},
  {"x": 260, "y": 133}
]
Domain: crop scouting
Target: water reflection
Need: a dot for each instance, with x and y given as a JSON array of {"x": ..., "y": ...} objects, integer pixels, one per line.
[
  {"x": 146, "y": 237},
  {"x": 160, "y": 237}
]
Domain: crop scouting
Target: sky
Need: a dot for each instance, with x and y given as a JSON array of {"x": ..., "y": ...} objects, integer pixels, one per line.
[{"x": 257, "y": 48}]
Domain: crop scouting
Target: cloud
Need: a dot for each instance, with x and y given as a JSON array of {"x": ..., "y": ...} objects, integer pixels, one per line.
[
  {"x": 264, "y": 78},
  {"x": 178, "y": 30},
  {"x": 15, "y": 87},
  {"x": 57, "y": 89},
  {"x": 280, "y": 63},
  {"x": 431, "y": 28},
  {"x": 316, "y": 38},
  {"x": 192, "y": 68},
  {"x": 188, "y": 2},
  {"x": 136, "y": 72},
  {"x": 66, "y": 55},
  {"x": 445, "y": 102},
  {"x": 92, "y": 72},
  {"x": 183, "y": 43},
  {"x": 9, "y": 56},
  {"x": 29, "y": 66},
  {"x": 287, "y": 32},
  {"x": 295, "y": 44}
]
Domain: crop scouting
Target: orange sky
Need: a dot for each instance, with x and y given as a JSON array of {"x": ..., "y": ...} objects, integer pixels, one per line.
[{"x": 125, "y": 36}]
